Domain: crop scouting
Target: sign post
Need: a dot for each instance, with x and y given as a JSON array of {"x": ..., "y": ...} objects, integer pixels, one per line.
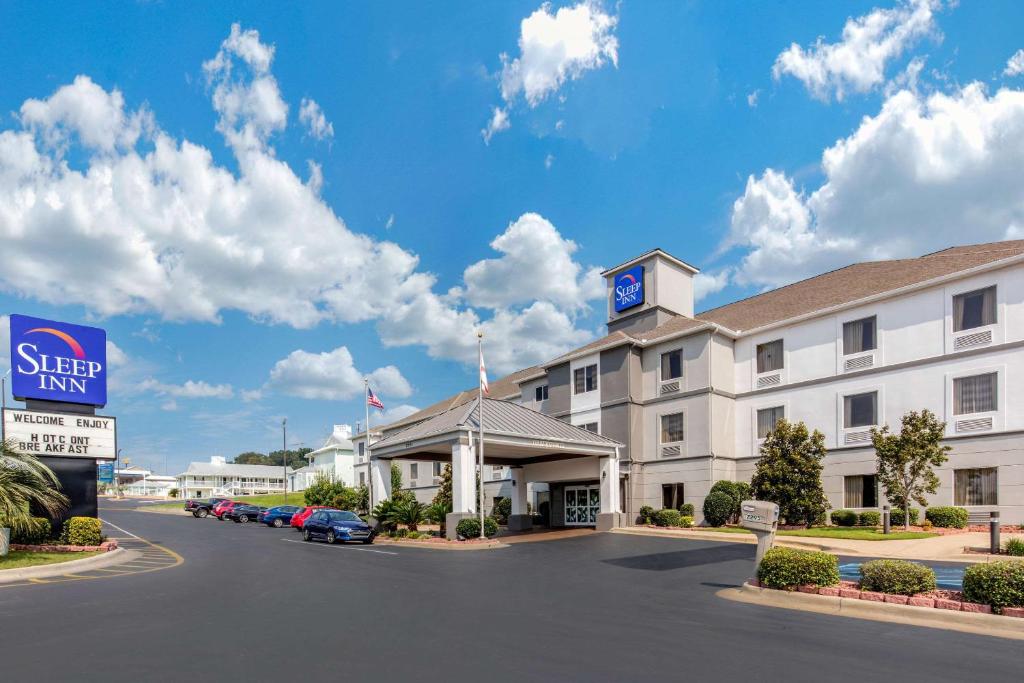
[{"x": 761, "y": 517}]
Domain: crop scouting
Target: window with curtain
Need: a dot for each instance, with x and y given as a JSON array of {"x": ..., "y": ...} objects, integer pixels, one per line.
[
  {"x": 860, "y": 491},
  {"x": 590, "y": 427},
  {"x": 438, "y": 466},
  {"x": 766, "y": 419},
  {"x": 975, "y": 394},
  {"x": 672, "y": 364},
  {"x": 859, "y": 335},
  {"x": 414, "y": 471},
  {"x": 975, "y": 487},
  {"x": 974, "y": 309},
  {"x": 584, "y": 379},
  {"x": 672, "y": 496},
  {"x": 672, "y": 428},
  {"x": 769, "y": 356},
  {"x": 860, "y": 410},
  {"x": 541, "y": 393}
]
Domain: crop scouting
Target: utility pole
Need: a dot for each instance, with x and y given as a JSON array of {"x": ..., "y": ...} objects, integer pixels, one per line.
[
  {"x": 284, "y": 455},
  {"x": 3, "y": 399},
  {"x": 480, "y": 421}
]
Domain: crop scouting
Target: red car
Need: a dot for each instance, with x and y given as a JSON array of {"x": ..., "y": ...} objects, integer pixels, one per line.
[
  {"x": 220, "y": 508},
  {"x": 300, "y": 517}
]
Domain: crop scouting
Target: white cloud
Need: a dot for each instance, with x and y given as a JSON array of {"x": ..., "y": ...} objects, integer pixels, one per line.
[
  {"x": 554, "y": 48},
  {"x": 705, "y": 284},
  {"x": 925, "y": 173},
  {"x": 752, "y": 98},
  {"x": 332, "y": 376},
  {"x": 190, "y": 389},
  {"x": 115, "y": 356},
  {"x": 549, "y": 161},
  {"x": 170, "y": 405},
  {"x": 392, "y": 414},
  {"x": 1015, "y": 64},
  {"x": 313, "y": 117},
  {"x": 857, "y": 63},
  {"x": 315, "y": 182},
  {"x": 249, "y": 395}
]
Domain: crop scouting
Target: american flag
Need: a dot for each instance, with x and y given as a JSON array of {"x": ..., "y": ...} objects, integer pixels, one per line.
[{"x": 371, "y": 399}]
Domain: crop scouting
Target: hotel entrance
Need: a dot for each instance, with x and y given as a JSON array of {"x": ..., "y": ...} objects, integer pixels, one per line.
[{"x": 582, "y": 505}]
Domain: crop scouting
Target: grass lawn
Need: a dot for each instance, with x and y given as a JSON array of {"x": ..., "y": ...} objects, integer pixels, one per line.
[
  {"x": 18, "y": 559},
  {"x": 852, "y": 533},
  {"x": 269, "y": 500}
]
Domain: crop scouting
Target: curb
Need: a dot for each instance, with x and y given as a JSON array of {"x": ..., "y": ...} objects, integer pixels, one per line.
[
  {"x": 490, "y": 545},
  {"x": 966, "y": 622},
  {"x": 119, "y": 556}
]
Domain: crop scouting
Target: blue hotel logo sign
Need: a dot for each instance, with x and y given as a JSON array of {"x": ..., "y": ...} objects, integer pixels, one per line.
[
  {"x": 55, "y": 361},
  {"x": 629, "y": 288}
]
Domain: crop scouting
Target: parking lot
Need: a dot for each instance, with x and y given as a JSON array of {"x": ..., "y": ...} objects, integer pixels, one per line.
[{"x": 255, "y": 603}]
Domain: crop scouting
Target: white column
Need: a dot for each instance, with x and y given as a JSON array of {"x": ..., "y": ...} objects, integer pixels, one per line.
[
  {"x": 518, "y": 491},
  {"x": 463, "y": 479},
  {"x": 610, "y": 483},
  {"x": 380, "y": 470}
]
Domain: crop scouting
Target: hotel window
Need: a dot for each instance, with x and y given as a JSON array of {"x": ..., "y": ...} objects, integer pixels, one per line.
[
  {"x": 496, "y": 472},
  {"x": 672, "y": 365},
  {"x": 585, "y": 379},
  {"x": 767, "y": 418},
  {"x": 860, "y": 410},
  {"x": 362, "y": 448},
  {"x": 437, "y": 468},
  {"x": 590, "y": 427},
  {"x": 672, "y": 496},
  {"x": 362, "y": 478},
  {"x": 860, "y": 336},
  {"x": 974, "y": 309},
  {"x": 414, "y": 471},
  {"x": 975, "y": 487},
  {"x": 541, "y": 393},
  {"x": 860, "y": 491},
  {"x": 769, "y": 356},
  {"x": 672, "y": 428},
  {"x": 975, "y": 394}
]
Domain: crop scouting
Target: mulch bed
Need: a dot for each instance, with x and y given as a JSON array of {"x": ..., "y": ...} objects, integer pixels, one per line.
[{"x": 106, "y": 546}]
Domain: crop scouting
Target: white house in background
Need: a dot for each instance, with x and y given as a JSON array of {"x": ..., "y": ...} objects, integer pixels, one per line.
[
  {"x": 300, "y": 479},
  {"x": 334, "y": 460},
  {"x": 153, "y": 485},
  {"x": 220, "y": 478}
]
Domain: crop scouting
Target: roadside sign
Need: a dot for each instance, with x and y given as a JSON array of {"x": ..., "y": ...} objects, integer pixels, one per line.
[
  {"x": 65, "y": 435},
  {"x": 105, "y": 473}
]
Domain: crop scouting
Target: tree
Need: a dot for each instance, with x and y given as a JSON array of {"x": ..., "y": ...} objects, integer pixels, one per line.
[
  {"x": 437, "y": 512},
  {"x": 411, "y": 513},
  {"x": 444, "y": 491},
  {"x": 396, "y": 477},
  {"x": 323, "y": 490},
  {"x": 26, "y": 482},
  {"x": 905, "y": 460},
  {"x": 789, "y": 473}
]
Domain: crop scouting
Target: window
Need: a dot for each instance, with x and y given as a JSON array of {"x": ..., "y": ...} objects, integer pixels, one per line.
[
  {"x": 496, "y": 472},
  {"x": 672, "y": 365},
  {"x": 362, "y": 448},
  {"x": 975, "y": 487},
  {"x": 859, "y": 335},
  {"x": 974, "y": 309},
  {"x": 861, "y": 491},
  {"x": 766, "y": 419},
  {"x": 362, "y": 478},
  {"x": 860, "y": 410},
  {"x": 438, "y": 465},
  {"x": 584, "y": 379},
  {"x": 590, "y": 427},
  {"x": 672, "y": 496},
  {"x": 672, "y": 428},
  {"x": 769, "y": 356},
  {"x": 541, "y": 393},
  {"x": 975, "y": 394},
  {"x": 414, "y": 470}
]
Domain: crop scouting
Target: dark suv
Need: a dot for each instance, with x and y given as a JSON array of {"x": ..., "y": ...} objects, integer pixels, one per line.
[
  {"x": 200, "y": 507},
  {"x": 242, "y": 513}
]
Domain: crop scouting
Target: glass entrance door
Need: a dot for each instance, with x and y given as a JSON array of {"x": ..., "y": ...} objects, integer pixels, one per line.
[{"x": 582, "y": 504}]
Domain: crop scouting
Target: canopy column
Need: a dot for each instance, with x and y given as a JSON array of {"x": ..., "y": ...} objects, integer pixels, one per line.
[
  {"x": 520, "y": 519},
  {"x": 463, "y": 487},
  {"x": 380, "y": 470},
  {"x": 608, "y": 518}
]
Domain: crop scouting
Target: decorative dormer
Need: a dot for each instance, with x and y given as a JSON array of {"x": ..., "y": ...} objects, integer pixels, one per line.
[{"x": 646, "y": 291}]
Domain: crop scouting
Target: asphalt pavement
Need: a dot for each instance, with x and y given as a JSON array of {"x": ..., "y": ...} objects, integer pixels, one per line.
[{"x": 250, "y": 603}]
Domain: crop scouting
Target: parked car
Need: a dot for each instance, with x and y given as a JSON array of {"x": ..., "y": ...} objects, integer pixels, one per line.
[
  {"x": 299, "y": 517},
  {"x": 279, "y": 516},
  {"x": 222, "y": 507},
  {"x": 201, "y": 507},
  {"x": 244, "y": 513},
  {"x": 336, "y": 525}
]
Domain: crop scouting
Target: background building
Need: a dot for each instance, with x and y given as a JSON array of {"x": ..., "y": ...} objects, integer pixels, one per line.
[{"x": 220, "y": 478}]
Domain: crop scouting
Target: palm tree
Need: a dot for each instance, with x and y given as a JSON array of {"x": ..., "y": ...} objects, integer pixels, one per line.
[
  {"x": 437, "y": 512},
  {"x": 411, "y": 513},
  {"x": 24, "y": 481}
]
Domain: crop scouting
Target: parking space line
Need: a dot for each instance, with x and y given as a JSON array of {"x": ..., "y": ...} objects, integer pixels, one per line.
[{"x": 347, "y": 547}]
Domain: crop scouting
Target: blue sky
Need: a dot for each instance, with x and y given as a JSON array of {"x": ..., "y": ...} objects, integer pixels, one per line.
[{"x": 170, "y": 178}]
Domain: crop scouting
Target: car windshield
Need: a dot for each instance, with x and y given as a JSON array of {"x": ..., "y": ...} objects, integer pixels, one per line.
[{"x": 343, "y": 517}]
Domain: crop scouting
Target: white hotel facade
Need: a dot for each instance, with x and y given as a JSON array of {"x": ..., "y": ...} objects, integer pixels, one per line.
[{"x": 687, "y": 398}]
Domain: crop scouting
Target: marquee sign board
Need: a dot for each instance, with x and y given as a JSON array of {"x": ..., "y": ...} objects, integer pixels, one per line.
[
  {"x": 55, "y": 361},
  {"x": 629, "y": 288},
  {"x": 63, "y": 435}
]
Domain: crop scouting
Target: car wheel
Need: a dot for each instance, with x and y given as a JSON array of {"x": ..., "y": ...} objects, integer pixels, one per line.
[
  {"x": 244, "y": 519},
  {"x": 367, "y": 541},
  {"x": 306, "y": 536},
  {"x": 202, "y": 513},
  {"x": 330, "y": 536},
  {"x": 278, "y": 523}
]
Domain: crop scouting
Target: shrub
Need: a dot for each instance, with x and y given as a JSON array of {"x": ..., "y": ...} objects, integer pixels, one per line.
[
  {"x": 947, "y": 517},
  {"x": 414, "y": 535},
  {"x": 502, "y": 509},
  {"x": 789, "y": 472},
  {"x": 323, "y": 491},
  {"x": 926, "y": 525},
  {"x": 896, "y": 516},
  {"x": 36, "y": 532},
  {"x": 173, "y": 493},
  {"x": 718, "y": 507},
  {"x": 844, "y": 517},
  {"x": 687, "y": 510},
  {"x": 896, "y": 576},
  {"x": 647, "y": 515},
  {"x": 789, "y": 568},
  {"x": 490, "y": 526},
  {"x": 1000, "y": 584},
  {"x": 82, "y": 531},
  {"x": 470, "y": 527},
  {"x": 1014, "y": 546},
  {"x": 870, "y": 518},
  {"x": 667, "y": 517},
  {"x": 686, "y": 521}
]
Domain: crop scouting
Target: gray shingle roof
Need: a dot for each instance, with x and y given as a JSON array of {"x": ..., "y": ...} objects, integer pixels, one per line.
[{"x": 232, "y": 470}]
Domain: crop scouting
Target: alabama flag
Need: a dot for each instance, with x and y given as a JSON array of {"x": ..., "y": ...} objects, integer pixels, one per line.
[{"x": 483, "y": 375}]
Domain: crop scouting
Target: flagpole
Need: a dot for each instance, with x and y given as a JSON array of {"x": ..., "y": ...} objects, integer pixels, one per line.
[
  {"x": 369, "y": 471},
  {"x": 480, "y": 422}
]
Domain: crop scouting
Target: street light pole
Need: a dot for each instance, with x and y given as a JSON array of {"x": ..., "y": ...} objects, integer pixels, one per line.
[
  {"x": 284, "y": 455},
  {"x": 3, "y": 400}
]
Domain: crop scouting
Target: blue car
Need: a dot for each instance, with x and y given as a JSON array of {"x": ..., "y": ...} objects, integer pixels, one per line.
[
  {"x": 279, "y": 516},
  {"x": 336, "y": 525}
]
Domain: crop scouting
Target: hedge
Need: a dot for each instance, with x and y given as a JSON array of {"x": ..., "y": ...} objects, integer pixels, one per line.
[
  {"x": 870, "y": 518},
  {"x": 999, "y": 584},
  {"x": 667, "y": 517},
  {"x": 947, "y": 517},
  {"x": 788, "y": 568},
  {"x": 844, "y": 517},
  {"x": 687, "y": 521},
  {"x": 898, "y": 577},
  {"x": 82, "y": 531},
  {"x": 687, "y": 510},
  {"x": 718, "y": 508},
  {"x": 470, "y": 527},
  {"x": 37, "y": 532},
  {"x": 647, "y": 515},
  {"x": 896, "y": 516}
]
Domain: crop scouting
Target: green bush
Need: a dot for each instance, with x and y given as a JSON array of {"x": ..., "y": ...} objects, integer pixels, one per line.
[
  {"x": 1000, "y": 584},
  {"x": 490, "y": 526},
  {"x": 844, "y": 517},
  {"x": 667, "y": 517},
  {"x": 869, "y": 518},
  {"x": 718, "y": 508},
  {"x": 687, "y": 510},
  {"x": 1014, "y": 546},
  {"x": 82, "y": 531},
  {"x": 896, "y": 516},
  {"x": 788, "y": 568},
  {"x": 502, "y": 509},
  {"x": 947, "y": 517},
  {"x": 739, "y": 491},
  {"x": 470, "y": 527},
  {"x": 686, "y": 521},
  {"x": 896, "y": 576},
  {"x": 646, "y": 515},
  {"x": 37, "y": 532}
]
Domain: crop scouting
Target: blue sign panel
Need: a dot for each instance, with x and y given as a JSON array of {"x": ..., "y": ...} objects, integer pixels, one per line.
[
  {"x": 54, "y": 361},
  {"x": 629, "y": 288},
  {"x": 105, "y": 473}
]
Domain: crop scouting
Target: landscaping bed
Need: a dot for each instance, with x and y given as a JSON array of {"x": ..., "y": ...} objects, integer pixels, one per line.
[
  {"x": 852, "y": 533},
  {"x": 19, "y": 558},
  {"x": 105, "y": 546}
]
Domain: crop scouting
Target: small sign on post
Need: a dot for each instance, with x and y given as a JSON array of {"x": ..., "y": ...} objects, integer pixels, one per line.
[
  {"x": 761, "y": 517},
  {"x": 105, "y": 473}
]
